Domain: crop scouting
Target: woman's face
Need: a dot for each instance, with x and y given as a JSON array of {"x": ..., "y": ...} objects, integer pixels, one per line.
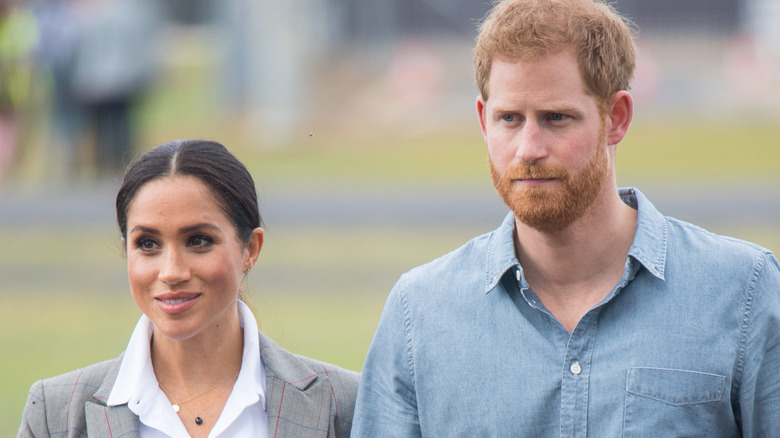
[{"x": 184, "y": 260}]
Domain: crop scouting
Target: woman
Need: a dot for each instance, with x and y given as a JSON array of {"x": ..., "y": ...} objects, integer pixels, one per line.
[{"x": 196, "y": 364}]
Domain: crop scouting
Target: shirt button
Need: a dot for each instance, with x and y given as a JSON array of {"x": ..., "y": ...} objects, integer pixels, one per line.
[{"x": 575, "y": 368}]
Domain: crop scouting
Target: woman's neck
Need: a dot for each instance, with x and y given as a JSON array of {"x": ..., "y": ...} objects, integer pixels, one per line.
[{"x": 193, "y": 364}]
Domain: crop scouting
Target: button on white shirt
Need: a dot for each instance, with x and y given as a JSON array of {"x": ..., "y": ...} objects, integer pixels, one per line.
[{"x": 244, "y": 413}]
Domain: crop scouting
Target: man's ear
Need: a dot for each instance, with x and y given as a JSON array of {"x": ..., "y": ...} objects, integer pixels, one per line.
[
  {"x": 620, "y": 112},
  {"x": 481, "y": 106}
]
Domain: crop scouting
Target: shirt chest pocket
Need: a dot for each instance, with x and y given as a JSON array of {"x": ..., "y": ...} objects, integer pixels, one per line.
[{"x": 664, "y": 402}]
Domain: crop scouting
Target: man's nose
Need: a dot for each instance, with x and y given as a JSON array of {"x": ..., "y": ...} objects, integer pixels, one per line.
[{"x": 530, "y": 143}]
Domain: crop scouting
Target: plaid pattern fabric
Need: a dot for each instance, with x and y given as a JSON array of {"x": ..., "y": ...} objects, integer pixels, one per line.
[{"x": 306, "y": 398}]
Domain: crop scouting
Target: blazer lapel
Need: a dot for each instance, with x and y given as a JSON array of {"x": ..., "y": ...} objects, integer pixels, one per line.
[
  {"x": 298, "y": 400},
  {"x": 109, "y": 421}
]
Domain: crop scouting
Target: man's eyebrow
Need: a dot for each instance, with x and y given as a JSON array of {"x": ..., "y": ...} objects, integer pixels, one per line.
[
  {"x": 562, "y": 107},
  {"x": 555, "y": 107}
]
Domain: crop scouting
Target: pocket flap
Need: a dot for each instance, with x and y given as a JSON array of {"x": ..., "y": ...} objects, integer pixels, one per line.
[{"x": 675, "y": 387}]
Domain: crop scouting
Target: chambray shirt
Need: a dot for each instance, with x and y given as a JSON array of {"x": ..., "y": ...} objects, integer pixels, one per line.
[{"x": 686, "y": 344}]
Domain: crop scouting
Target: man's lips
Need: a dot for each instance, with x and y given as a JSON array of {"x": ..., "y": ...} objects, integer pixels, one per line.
[{"x": 533, "y": 181}]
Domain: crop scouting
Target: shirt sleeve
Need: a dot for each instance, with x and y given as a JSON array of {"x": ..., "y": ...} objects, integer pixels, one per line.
[
  {"x": 759, "y": 393},
  {"x": 387, "y": 400}
]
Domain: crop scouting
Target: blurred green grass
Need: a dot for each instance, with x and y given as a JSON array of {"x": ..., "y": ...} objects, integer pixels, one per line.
[{"x": 317, "y": 291}]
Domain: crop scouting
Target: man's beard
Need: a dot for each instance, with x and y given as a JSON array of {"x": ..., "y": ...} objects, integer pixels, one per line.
[{"x": 552, "y": 209}]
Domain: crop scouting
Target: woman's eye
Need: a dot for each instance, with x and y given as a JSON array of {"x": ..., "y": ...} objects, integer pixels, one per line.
[
  {"x": 146, "y": 245},
  {"x": 200, "y": 241}
]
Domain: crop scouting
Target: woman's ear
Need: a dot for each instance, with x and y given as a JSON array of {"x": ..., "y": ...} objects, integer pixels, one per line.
[
  {"x": 253, "y": 248},
  {"x": 620, "y": 112}
]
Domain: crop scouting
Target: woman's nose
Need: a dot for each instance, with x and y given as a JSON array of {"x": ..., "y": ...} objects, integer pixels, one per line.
[{"x": 173, "y": 268}]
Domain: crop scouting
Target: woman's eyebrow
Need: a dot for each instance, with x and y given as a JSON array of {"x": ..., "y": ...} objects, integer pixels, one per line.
[
  {"x": 144, "y": 229},
  {"x": 196, "y": 227}
]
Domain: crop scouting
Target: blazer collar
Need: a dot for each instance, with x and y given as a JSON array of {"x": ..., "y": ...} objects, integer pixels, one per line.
[
  {"x": 298, "y": 399},
  {"x": 105, "y": 420}
]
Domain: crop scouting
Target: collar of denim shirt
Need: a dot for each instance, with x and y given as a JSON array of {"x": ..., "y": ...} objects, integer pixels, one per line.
[{"x": 648, "y": 248}]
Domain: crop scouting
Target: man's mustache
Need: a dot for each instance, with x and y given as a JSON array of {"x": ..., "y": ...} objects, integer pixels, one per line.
[{"x": 535, "y": 171}]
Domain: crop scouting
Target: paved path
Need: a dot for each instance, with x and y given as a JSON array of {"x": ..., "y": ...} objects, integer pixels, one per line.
[
  {"x": 339, "y": 209},
  {"x": 406, "y": 206}
]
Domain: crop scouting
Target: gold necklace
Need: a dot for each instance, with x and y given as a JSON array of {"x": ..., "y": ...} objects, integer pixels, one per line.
[{"x": 176, "y": 405}]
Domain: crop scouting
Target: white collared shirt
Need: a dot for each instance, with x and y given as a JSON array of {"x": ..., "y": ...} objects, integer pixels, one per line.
[{"x": 136, "y": 385}]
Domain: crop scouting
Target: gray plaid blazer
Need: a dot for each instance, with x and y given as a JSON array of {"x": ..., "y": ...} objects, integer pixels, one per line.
[{"x": 306, "y": 398}]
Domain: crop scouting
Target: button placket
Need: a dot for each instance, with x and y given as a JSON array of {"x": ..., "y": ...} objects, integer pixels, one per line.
[{"x": 576, "y": 372}]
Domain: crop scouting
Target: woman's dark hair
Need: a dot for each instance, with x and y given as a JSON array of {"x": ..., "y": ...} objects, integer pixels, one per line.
[{"x": 210, "y": 162}]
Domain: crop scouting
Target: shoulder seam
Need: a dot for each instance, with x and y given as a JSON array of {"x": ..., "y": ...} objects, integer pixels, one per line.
[{"x": 749, "y": 291}]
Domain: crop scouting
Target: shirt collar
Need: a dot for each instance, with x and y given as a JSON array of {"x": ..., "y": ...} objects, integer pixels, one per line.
[
  {"x": 501, "y": 252},
  {"x": 135, "y": 380},
  {"x": 250, "y": 385},
  {"x": 136, "y": 383},
  {"x": 650, "y": 240},
  {"x": 648, "y": 248}
]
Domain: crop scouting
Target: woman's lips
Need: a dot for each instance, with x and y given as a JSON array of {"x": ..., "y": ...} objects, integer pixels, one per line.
[{"x": 176, "y": 303}]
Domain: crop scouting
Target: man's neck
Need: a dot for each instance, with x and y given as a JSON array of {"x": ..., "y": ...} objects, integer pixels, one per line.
[{"x": 574, "y": 269}]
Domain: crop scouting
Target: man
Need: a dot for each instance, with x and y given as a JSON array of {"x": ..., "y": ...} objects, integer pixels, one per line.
[{"x": 586, "y": 312}]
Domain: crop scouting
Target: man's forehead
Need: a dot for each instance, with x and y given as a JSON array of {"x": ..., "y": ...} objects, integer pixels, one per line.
[{"x": 553, "y": 80}]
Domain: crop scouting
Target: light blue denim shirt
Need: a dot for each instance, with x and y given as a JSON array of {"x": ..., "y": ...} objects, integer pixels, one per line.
[{"x": 686, "y": 344}]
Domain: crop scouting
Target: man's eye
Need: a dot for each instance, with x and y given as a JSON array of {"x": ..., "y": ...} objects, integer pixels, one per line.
[
  {"x": 557, "y": 117},
  {"x": 508, "y": 117}
]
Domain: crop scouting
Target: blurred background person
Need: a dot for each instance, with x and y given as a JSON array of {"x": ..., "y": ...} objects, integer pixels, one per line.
[
  {"x": 54, "y": 57},
  {"x": 114, "y": 63},
  {"x": 18, "y": 38}
]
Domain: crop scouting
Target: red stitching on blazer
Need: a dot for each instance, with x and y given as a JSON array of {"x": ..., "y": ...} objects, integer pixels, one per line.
[
  {"x": 279, "y": 414},
  {"x": 305, "y": 378},
  {"x": 32, "y": 401},
  {"x": 67, "y": 412},
  {"x": 332, "y": 391},
  {"x": 111, "y": 434}
]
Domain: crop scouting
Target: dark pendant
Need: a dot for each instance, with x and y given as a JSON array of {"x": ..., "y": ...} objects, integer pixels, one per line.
[{"x": 198, "y": 421}]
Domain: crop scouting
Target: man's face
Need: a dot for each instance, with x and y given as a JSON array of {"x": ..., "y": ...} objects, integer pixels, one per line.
[{"x": 546, "y": 140}]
